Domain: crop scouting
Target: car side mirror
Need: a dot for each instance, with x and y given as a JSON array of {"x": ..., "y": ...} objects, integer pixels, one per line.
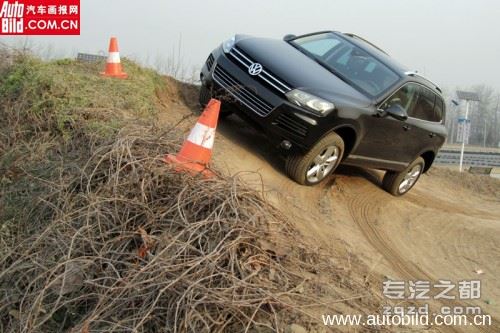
[
  {"x": 289, "y": 37},
  {"x": 396, "y": 111}
]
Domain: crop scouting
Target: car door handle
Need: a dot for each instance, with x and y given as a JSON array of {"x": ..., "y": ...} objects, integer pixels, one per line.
[
  {"x": 406, "y": 127},
  {"x": 431, "y": 135}
]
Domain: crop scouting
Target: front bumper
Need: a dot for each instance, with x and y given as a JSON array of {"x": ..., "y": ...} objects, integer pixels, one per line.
[{"x": 260, "y": 102}]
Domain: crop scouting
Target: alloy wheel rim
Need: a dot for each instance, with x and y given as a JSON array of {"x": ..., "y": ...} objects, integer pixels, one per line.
[
  {"x": 322, "y": 164},
  {"x": 410, "y": 179}
]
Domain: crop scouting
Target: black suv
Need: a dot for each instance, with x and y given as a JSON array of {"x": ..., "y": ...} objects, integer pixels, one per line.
[{"x": 330, "y": 97}]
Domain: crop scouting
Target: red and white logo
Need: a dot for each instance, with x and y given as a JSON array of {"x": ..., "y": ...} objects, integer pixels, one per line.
[{"x": 40, "y": 17}]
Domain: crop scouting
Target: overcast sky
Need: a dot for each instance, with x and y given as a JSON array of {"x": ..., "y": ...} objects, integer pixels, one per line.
[{"x": 455, "y": 43}]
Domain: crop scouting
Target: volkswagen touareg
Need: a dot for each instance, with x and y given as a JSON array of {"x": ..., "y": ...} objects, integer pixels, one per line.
[{"x": 328, "y": 98}]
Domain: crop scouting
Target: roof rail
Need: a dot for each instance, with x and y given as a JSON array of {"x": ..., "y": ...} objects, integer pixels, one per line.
[
  {"x": 412, "y": 73},
  {"x": 366, "y": 41}
]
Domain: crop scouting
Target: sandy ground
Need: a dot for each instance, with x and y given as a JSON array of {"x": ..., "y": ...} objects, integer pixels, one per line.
[{"x": 441, "y": 230}]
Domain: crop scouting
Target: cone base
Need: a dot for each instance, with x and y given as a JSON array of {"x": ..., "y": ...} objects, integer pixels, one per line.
[
  {"x": 189, "y": 167},
  {"x": 118, "y": 75}
]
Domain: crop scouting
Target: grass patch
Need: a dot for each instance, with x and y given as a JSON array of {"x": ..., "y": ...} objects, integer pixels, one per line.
[
  {"x": 55, "y": 95},
  {"x": 54, "y": 113}
]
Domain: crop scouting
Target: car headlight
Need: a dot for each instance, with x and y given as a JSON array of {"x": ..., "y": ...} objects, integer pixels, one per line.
[
  {"x": 228, "y": 44},
  {"x": 311, "y": 102}
]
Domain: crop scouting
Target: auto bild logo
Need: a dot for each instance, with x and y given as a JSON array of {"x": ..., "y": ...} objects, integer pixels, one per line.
[
  {"x": 255, "y": 69},
  {"x": 40, "y": 17}
]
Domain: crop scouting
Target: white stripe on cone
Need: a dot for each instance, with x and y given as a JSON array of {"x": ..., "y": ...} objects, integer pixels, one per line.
[
  {"x": 202, "y": 135},
  {"x": 114, "y": 58}
]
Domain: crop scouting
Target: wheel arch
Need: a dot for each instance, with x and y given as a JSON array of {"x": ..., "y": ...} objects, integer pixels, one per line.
[
  {"x": 348, "y": 135},
  {"x": 428, "y": 157}
]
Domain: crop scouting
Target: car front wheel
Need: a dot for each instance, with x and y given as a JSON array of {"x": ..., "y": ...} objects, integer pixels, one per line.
[
  {"x": 399, "y": 183},
  {"x": 206, "y": 95},
  {"x": 313, "y": 167}
]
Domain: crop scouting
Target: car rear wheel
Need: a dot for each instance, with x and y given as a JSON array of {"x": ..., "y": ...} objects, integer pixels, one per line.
[
  {"x": 206, "y": 95},
  {"x": 399, "y": 183},
  {"x": 313, "y": 167}
]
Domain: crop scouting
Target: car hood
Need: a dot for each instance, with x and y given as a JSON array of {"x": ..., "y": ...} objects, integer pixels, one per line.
[{"x": 300, "y": 71}]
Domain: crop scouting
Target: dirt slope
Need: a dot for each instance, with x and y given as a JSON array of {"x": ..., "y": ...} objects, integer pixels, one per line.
[{"x": 444, "y": 229}]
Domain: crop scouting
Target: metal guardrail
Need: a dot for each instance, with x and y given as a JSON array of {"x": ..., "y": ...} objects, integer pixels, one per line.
[
  {"x": 475, "y": 159},
  {"x": 85, "y": 57}
]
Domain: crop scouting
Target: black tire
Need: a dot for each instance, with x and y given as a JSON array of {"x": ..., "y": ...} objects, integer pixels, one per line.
[
  {"x": 225, "y": 110},
  {"x": 297, "y": 166},
  {"x": 206, "y": 95},
  {"x": 393, "y": 180}
]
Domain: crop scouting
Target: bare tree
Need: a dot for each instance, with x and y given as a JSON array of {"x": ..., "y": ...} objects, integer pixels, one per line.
[
  {"x": 485, "y": 122},
  {"x": 482, "y": 116}
]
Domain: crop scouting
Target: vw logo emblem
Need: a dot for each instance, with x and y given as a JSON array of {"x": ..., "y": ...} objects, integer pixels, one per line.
[{"x": 255, "y": 69}]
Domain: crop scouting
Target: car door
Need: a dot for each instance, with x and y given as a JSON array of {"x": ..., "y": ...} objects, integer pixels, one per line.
[
  {"x": 386, "y": 142},
  {"x": 424, "y": 120}
]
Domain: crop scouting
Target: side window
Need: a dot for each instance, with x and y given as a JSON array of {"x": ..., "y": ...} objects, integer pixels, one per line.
[
  {"x": 439, "y": 110},
  {"x": 406, "y": 96},
  {"x": 424, "y": 107}
]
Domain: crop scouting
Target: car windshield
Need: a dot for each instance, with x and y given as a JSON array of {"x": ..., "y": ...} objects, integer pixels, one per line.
[{"x": 349, "y": 62}]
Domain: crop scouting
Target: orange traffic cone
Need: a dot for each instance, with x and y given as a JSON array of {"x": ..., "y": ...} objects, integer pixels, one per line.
[
  {"x": 196, "y": 151},
  {"x": 113, "y": 64}
]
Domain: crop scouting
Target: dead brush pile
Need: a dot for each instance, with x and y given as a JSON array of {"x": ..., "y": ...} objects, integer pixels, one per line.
[
  {"x": 98, "y": 235},
  {"x": 130, "y": 246}
]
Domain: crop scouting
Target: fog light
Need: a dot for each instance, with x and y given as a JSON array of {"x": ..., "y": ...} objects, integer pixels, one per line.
[{"x": 285, "y": 144}]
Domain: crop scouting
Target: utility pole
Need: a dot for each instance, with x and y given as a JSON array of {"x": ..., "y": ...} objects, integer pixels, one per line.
[
  {"x": 463, "y": 134},
  {"x": 453, "y": 119}
]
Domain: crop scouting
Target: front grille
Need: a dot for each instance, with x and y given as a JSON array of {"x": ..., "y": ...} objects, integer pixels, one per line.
[
  {"x": 270, "y": 79},
  {"x": 243, "y": 94},
  {"x": 210, "y": 61},
  {"x": 291, "y": 124}
]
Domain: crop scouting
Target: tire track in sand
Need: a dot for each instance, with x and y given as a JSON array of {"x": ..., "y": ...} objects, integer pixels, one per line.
[{"x": 365, "y": 202}]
